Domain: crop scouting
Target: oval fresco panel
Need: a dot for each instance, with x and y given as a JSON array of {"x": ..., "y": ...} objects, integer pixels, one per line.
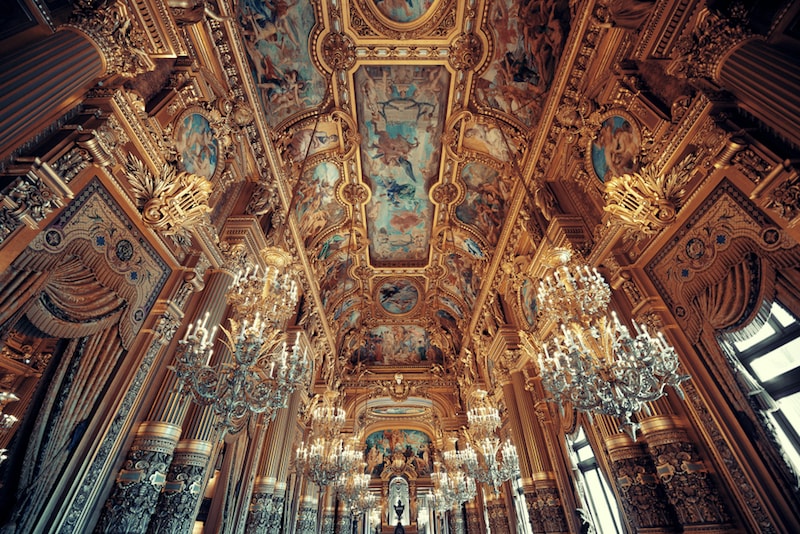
[
  {"x": 615, "y": 151},
  {"x": 398, "y": 296},
  {"x": 527, "y": 296},
  {"x": 403, "y": 10},
  {"x": 410, "y": 446},
  {"x": 197, "y": 146}
]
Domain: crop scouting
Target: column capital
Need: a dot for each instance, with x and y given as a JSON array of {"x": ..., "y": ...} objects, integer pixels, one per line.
[
  {"x": 109, "y": 28},
  {"x": 713, "y": 39}
]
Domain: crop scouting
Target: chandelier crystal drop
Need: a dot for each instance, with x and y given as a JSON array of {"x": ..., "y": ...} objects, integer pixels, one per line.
[
  {"x": 262, "y": 368},
  {"x": 592, "y": 361}
]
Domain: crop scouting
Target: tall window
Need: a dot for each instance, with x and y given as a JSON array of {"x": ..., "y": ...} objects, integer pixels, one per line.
[
  {"x": 520, "y": 508},
  {"x": 599, "y": 503},
  {"x": 772, "y": 356}
]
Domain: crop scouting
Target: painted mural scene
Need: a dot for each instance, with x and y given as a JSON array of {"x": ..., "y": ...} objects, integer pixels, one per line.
[{"x": 401, "y": 447}]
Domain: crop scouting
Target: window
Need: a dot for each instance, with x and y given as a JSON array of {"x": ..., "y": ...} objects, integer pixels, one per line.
[
  {"x": 598, "y": 499},
  {"x": 772, "y": 356},
  {"x": 520, "y": 509}
]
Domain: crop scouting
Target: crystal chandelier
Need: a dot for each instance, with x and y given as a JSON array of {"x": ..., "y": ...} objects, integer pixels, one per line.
[
  {"x": 353, "y": 489},
  {"x": 327, "y": 456},
  {"x": 492, "y": 463},
  {"x": 263, "y": 370},
  {"x": 451, "y": 486},
  {"x": 592, "y": 360}
]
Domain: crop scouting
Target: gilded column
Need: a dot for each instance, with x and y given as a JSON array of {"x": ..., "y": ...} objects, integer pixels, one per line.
[
  {"x": 691, "y": 492},
  {"x": 344, "y": 521},
  {"x": 642, "y": 496},
  {"x": 523, "y": 443},
  {"x": 328, "y": 520},
  {"x": 186, "y": 479},
  {"x": 547, "y": 511},
  {"x": 266, "y": 506},
  {"x": 276, "y": 519},
  {"x": 762, "y": 78},
  {"x": 144, "y": 473},
  {"x": 177, "y": 503},
  {"x": 261, "y": 507},
  {"x": 498, "y": 515},
  {"x": 43, "y": 81},
  {"x": 307, "y": 513}
]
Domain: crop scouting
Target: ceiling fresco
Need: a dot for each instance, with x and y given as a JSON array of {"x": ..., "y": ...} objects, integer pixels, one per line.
[{"x": 402, "y": 127}]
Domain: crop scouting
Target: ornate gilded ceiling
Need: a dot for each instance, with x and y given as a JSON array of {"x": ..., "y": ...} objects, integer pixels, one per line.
[{"x": 401, "y": 128}]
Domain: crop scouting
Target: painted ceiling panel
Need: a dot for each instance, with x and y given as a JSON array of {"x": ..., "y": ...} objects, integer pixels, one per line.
[
  {"x": 276, "y": 41},
  {"x": 401, "y": 121},
  {"x": 529, "y": 38},
  {"x": 403, "y": 126}
]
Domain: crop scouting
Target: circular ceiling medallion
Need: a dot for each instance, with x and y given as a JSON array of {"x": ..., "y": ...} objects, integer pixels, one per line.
[{"x": 398, "y": 295}]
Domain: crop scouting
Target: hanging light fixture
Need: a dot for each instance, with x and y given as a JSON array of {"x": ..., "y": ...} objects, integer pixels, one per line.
[
  {"x": 264, "y": 369},
  {"x": 592, "y": 361},
  {"x": 451, "y": 485},
  {"x": 491, "y": 463},
  {"x": 327, "y": 456}
]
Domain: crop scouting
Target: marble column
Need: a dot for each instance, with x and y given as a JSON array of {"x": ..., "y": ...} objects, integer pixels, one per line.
[
  {"x": 643, "y": 498},
  {"x": 42, "y": 81},
  {"x": 143, "y": 475}
]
